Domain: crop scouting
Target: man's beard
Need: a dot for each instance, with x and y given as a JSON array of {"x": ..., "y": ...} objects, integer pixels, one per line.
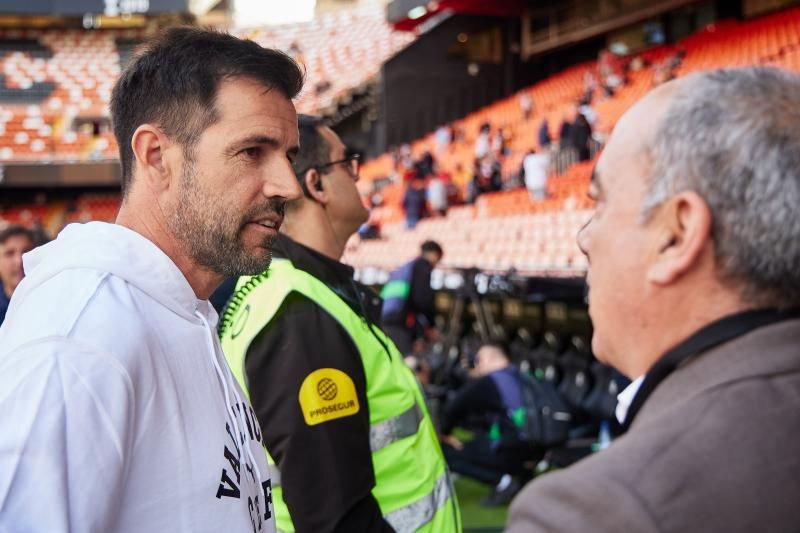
[{"x": 210, "y": 234}]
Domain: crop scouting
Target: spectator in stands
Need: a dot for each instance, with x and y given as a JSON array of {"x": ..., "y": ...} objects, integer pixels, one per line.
[
  {"x": 482, "y": 142},
  {"x": 536, "y": 167},
  {"x": 408, "y": 309},
  {"x": 496, "y": 456},
  {"x": 426, "y": 165},
  {"x": 443, "y": 136},
  {"x": 403, "y": 162},
  {"x": 453, "y": 191},
  {"x": 701, "y": 179},
  {"x": 544, "y": 134},
  {"x": 495, "y": 174},
  {"x": 415, "y": 201},
  {"x": 667, "y": 70},
  {"x": 491, "y": 177},
  {"x": 437, "y": 195},
  {"x": 589, "y": 86},
  {"x": 499, "y": 144},
  {"x": 585, "y": 109},
  {"x": 565, "y": 133},
  {"x": 526, "y": 105},
  {"x": 14, "y": 241},
  {"x": 40, "y": 236},
  {"x": 461, "y": 176},
  {"x": 117, "y": 408},
  {"x": 580, "y": 135}
]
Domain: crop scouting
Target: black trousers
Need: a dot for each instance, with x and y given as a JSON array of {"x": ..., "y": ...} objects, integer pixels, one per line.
[{"x": 482, "y": 461}]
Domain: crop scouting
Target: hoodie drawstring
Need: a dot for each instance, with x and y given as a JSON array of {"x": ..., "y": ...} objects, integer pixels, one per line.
[{"x": 238, "y": 423}]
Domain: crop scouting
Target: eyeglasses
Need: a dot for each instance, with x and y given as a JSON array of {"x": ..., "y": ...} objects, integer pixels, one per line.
[{"x": 353, "y": 163}]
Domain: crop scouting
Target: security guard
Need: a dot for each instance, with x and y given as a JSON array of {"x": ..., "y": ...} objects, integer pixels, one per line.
[{"x": 350, "y": 442}]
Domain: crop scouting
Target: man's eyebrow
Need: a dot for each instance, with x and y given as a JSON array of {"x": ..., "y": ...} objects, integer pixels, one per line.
[{"x": 259, "y": 139}]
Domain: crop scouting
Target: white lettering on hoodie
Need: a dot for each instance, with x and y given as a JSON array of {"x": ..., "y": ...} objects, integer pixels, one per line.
[{"x": 117, "y": 408}]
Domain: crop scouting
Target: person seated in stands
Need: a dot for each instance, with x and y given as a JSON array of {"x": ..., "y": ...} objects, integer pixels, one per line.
[
  {"x": 437, "y": 195},
  {"x": 526, "y": 105},
  {"x": 565, "y": 133},
  {"x": 581, "y": 134},
  {"x": 14, "y": 241},
  {"x": 495, "y": 456},
  {"x": 544, "y": 134},
  {"x": 535, "y": 167},
  {"x": 482, "y": 142}
]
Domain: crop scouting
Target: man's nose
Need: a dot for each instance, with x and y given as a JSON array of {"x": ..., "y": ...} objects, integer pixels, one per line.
[{"x": 282, "y": 183}]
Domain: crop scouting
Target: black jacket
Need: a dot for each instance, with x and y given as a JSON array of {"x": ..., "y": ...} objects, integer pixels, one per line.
[
  {"x": 326, "y": 469},
  {"x": 420, "y": 302}
]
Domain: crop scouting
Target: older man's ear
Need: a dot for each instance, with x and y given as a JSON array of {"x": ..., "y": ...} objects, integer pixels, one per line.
[{"x": 682, "y": 228}]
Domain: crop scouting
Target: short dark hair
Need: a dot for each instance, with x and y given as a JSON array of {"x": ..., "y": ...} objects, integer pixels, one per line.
[
  {"x": 431, "y": 246},
  {"x": 16, "y": 231},
  {"x": 314, "y": 148},
  {"x": 174, "y": 79}
]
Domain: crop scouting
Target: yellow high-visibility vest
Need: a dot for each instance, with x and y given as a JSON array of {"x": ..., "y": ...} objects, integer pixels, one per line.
[{"x": 412, "y": 483}]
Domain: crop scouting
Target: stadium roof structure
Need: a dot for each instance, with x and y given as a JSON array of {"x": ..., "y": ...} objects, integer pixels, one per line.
[{"x": 408, "y": 15}]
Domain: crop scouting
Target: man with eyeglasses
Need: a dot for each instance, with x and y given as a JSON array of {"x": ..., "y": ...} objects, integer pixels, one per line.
[{"x": 350, "y": 444}]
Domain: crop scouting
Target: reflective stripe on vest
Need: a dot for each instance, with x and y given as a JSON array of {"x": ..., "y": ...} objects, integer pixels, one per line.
[
  {"x": 393, "y": 429},
  {"x": 406, "y": 457},
  {"x": 380, "y": 435},
  {"x": 415, "y": 515}
]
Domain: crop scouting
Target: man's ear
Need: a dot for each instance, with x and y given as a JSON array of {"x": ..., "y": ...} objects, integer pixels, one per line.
[
  {"x": 312, "y": 186},
  {"x": 149, "y": 145},
  {"x": 683, "y": 230}
]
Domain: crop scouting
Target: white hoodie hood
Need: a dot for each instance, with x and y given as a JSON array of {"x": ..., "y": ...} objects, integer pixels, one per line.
[
  {"x": 102, "y": 247},
  {"x": 123, "y": 414}
]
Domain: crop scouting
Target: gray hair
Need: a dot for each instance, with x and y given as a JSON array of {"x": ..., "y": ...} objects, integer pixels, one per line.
[{"x": 733, "y": 137}]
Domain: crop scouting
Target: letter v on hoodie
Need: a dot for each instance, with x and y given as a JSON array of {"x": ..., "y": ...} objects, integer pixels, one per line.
[{"x": 117, "y": 410}]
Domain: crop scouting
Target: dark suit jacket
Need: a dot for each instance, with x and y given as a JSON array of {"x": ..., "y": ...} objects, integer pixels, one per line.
[{"x": 716, "y": 447}]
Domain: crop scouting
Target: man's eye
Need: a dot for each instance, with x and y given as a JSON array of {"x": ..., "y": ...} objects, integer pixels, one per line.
[{"x": 253, "y": 152}]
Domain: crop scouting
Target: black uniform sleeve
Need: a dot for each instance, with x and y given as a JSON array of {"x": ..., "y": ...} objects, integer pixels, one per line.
[
  {"x": 476, "y": 397},
  {"x": 422, "y": 296},
  {"x": 326, "y": 469}
]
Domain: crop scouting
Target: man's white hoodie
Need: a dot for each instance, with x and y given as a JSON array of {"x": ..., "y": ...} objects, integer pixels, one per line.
[{"x": 117, "y": 409}]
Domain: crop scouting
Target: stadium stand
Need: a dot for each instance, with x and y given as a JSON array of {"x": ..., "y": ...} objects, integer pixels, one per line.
[
  {"x": 771, "y": 40},
  {"x": 341, "y": 51},
  {"x": 53, "y": 80},
  {"x": 66, "y": 75},
  {"x": 65, "y": 78}
]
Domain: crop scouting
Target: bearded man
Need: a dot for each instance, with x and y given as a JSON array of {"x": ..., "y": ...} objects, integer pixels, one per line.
[{"x": 119, "y": 412}]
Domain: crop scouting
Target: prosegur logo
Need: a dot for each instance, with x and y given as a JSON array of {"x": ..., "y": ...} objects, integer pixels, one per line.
[
  {"x": 327, "y": 389},
  {"x": 327, "y": 394}
]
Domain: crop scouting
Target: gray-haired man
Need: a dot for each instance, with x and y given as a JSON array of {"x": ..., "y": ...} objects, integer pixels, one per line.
[{"x": 694, "y": 290}]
